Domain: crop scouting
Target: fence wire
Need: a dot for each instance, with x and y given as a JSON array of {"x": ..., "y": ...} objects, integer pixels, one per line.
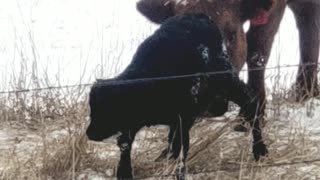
[{"x": 150, "y": 79}]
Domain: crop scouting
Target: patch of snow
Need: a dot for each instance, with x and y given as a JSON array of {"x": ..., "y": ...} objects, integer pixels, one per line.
[
  {"x": 204, "y": 51},
  {"x": 304, "y": 116}
]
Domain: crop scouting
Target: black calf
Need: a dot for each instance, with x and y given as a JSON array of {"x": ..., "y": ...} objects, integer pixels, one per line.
[{"x": 183, "y": 45}]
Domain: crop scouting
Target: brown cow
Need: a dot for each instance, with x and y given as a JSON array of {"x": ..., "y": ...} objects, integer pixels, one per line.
[{"x": 229, "y": 15}]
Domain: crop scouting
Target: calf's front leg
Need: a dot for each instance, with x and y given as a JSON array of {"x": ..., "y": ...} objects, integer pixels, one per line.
[
  {"x": 125, "y": 141},
  {"x": 239, "y": 92}
]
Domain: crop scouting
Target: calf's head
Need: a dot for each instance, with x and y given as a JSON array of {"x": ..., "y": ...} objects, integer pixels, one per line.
[
  {"x": 100, "y": 128},
  {"x": 96, "y": 131}
]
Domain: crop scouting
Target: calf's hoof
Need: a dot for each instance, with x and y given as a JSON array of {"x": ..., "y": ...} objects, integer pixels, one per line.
[
  {"x": 124, "y": 173},
  {"x": 180, "y": 176},
  {"x": 259, "y": 150},
  {"x": 181, "y": 172},
  {"x": 120, "y": 177}
]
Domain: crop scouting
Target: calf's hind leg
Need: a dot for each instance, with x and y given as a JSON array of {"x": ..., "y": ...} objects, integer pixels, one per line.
[
  {"x": 180, "y": 144},
  {"x": 217, "y": 108},
  {"x": 176, "y": 141}
]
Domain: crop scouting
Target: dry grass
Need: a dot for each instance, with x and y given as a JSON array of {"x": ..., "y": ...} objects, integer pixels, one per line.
[{"x": 46, "y": 134}]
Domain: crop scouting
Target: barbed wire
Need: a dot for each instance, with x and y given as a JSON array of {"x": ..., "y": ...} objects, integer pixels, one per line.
[{"x": 155, "y": 78}]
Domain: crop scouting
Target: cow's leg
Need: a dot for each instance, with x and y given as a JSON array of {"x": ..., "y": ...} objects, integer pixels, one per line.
[
  {"x": 125, "y": 141},
  {"x": 260, "y": 39},
  {"x": 238, "y": 92},
  {"x": 307, "y": 17}
]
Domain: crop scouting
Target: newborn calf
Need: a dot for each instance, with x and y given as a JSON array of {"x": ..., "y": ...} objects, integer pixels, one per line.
[{"x": 179, "y": 48}]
